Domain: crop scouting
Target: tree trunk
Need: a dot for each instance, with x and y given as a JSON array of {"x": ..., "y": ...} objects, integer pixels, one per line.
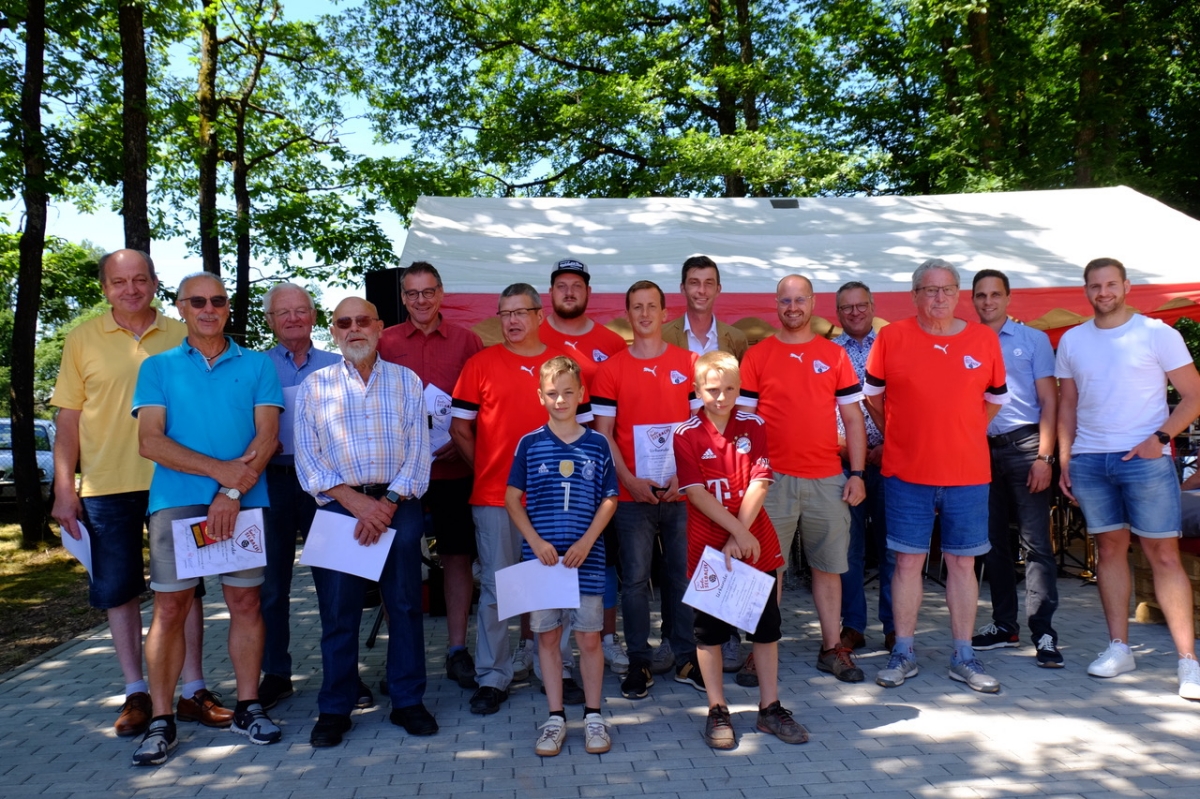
[
  {"x": 241, "y": 196},
  {"x": 1089, "y": 92},
  {"x": 727, "y": 96},
  {"x": 31, "y": 511},
  {"x": 991, "y": 141},
  {"x": 134, "y": 123},
  {"x": 206, "y": 95}
]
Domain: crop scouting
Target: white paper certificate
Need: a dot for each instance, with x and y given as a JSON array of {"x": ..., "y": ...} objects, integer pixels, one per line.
[
  {"x": 736, "y": 597},
  {"x": 245, "y": 550},
  {"x": 81, "y": 549},
  {"x": 654, "y": 452},
  {"x": 331, "y": 545},
  {"x": 437, "y": 404},
  {"x": 532, "y": 585},
  {"x": 286, "y": 429}
]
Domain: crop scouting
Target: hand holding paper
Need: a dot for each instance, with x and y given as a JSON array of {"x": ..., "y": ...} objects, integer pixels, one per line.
[
  {"x": 532, "y": 585},
  {"x": 736, "y": 597}
]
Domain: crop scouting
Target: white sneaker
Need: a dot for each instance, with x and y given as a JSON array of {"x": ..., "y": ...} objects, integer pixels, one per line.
[
  {"x": 1189, "y": 679},
  {"x": 1117, "y": 659},
  {"x": 522, "y": 660},
  {"x": 731, "y": 655},
  {"x": 615, "y": 657},
  {"x": 595, "y": 734},
  {"x": 550, "y": 741},
  {"x": 662, "y": 659}
]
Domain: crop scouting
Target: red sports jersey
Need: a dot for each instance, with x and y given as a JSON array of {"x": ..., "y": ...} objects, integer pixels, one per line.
[
  {"x": 648, "y": 397},
  {"x": 589, "y": 350},
  {"x": 935, "y": 408},
  {"x": 498, "y": 390},
  {"x": 796, "y": 388},
  {"x": 725, "y": 464}
]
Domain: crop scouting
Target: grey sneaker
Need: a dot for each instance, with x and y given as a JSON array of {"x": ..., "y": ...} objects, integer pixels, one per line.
[
  {"x": 662, "y": 659},
  {"x": 731, "y": 655},
  {"x": 160, "y": 740},
  {"x": 522, "y": 661},
  {"x": 974, "y": 675},
  {"x": 899, "y": 668},
  {"x": 254, "y": 723}
]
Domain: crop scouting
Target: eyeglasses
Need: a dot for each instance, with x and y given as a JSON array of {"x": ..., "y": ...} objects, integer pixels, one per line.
[
  {"x": 412, "y": 294},
  {"x": 788, "y": 301},
  {"x": 860, "y": 307},
  {"x": 519, "y": 313},
  {"x": 299, "y": 313},
  {"x": 344, "y": 322},
  {"x": 933, "y": 291},
  {"x": 199, "y": 302}
]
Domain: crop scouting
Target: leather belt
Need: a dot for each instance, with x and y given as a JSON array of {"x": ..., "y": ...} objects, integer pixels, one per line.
[
  {"x": 375, "y": 490},
  {"x": 1004, "y": 439}
]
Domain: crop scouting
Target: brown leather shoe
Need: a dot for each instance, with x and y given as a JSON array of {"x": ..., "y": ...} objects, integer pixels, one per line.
[
  {"x": 135, "y": 715},
  {"x": 852, "y": 639},
  {"x": 205, "y": 708}
]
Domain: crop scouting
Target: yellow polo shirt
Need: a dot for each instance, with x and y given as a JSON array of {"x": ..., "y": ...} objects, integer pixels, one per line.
[{"x": 99, "y": 370}]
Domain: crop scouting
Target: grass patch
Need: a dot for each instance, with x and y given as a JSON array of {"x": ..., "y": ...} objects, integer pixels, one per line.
[{"x": 43, "y": 596}]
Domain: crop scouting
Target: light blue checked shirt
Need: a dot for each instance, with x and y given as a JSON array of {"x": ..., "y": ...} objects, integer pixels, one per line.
[{"x": 360, "y": 433}]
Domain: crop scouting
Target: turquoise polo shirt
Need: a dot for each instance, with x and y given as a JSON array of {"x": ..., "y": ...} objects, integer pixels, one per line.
[{"x": 209, "y": 410}]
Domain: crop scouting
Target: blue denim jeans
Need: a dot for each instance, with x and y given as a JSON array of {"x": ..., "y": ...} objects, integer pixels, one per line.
[
  {"x": 1141, "y": 494},
  {"x": 287, "y": 519},
  {"x": 911, "y": 508},
  {"x": 1009, "y": 499},
  {"x": 637, "y": 525},
  {"x": 340, "y": 599},
  {"x": 117, "y": 526},
  {"x": 868, "y": 515}
]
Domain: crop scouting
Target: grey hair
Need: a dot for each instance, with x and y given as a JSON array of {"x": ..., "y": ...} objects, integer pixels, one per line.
[
  {"x": 196, "y": 276},
  {"x": 930, "y": 265},
  {"x": 519, "y": 289},
  {"x": 269, "y": 297}
]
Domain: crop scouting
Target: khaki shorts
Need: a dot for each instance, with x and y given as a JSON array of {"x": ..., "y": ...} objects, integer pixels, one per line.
[
  {"x": 823, "y": 517},
  {"x": 162, "y": 554}
]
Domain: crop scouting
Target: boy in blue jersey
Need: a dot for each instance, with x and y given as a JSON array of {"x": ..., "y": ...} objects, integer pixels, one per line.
[{"x": 565, "y": 473}]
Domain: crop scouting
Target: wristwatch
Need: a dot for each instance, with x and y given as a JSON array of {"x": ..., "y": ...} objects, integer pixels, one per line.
[
  {"x": 393, "y": 497},
  {"x": 232, "y": 493},
  {"x": 1046, "y": 458},
  {"x": 1163, "y": 438},
  {"x": 859, "y": 473}
]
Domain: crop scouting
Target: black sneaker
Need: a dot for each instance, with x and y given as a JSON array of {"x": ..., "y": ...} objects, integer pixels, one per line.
[
  {"x": 460, "y": 667},
  {"x": 637, "y": 682},
  {"x": 365, "y": 697},
  {"x": 689, "y": 674},
  {"x": 272, "y": 689},
  {"x": 995, "y": 636},
  {"x": 160, "y": 740},
  {"x": 256, "y": 725},
  {"x": 487, "y": 700},
  {"x": 1048, "y": 656}
]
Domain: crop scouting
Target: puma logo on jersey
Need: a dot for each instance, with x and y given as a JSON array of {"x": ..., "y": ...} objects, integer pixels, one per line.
[
  {"x": 572, "y": 344},
  {"x": 970, "y": 362},
  {"x": 945, "y": 348},
  {"x": 598, "y": 356},
  {"x": 799, "y": 356},
  {"x": 651, "y": 369},
  {"x": 820, "y": 367},
  {"x": 708, "y": 455},
  {"x": 527, "y": 369}
]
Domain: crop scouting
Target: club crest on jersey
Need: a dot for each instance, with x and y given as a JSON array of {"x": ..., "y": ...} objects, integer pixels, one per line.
[
  {"x": 659, "y": 436},
  {"x": 566, "y": 468},
  {"x": 441, "y": 405},
  {"x": 598, "y": 356},
  {"x": 706, "y": 578},
  {"x": 250, "y": 539},
  {"x": 820, "y": 367},
  {"x": 677, "y": 378},
  {"x": 1018, "y": 352},
  {"x": 589, "y": 470},
  {"x": 742, "y": 445},
  {"x": 527, "y": 369},
  {"x": 970, "y": 362}
]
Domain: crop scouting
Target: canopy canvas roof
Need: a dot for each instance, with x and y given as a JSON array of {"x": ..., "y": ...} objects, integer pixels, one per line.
[{"x": 1040, "y": 239}]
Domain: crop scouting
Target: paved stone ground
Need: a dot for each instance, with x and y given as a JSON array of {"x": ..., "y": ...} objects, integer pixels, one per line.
[{"x": 1049, "y": 732}]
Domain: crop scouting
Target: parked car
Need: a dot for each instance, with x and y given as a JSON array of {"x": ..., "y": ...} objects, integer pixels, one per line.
[{"x": 44, "y": 434}]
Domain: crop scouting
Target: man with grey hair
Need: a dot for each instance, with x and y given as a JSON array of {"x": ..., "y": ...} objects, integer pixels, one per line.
[
  {"x": 943, "y": 380},
  {"x": 290, "y": 313},
  {"x": 495, "y": 403},
  {"x": 208, "y": 416}
]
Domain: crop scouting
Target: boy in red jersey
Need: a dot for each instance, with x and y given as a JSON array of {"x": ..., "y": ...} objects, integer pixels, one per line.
[{"x": 721, "y": 459}]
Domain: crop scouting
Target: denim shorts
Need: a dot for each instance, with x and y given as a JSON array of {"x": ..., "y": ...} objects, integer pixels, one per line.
[
  {"x": 117, "y": 525},
  {"x": 911, "y": 507},
  {"x": 1141, "y": 494},
  {"x": 162, "y": 555},
  {"x": 587, "y": 618}
]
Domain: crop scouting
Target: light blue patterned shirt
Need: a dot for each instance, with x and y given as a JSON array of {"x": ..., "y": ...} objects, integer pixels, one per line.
[{"x": 858, "y": 359}]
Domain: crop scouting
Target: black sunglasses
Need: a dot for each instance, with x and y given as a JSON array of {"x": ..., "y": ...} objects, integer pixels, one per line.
[{"x": 200, "y": 302}]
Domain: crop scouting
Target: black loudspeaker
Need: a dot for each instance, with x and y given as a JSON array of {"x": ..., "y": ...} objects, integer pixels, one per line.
[{"x": 383, "y": 289}]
